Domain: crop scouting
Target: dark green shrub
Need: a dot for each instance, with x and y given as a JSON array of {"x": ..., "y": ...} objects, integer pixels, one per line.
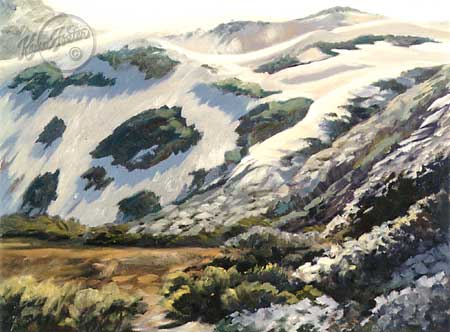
[
  {"x": 216, "y": 292},
  {"x": 148, "y": 138},
  {"x": 139, "y": 205},
  {"x": 48, "y": 77},
  {"x": 152, "y": 61},
  {"x": 96, "y": 177},
  {"x": 52, "y": 131},
  {"x": 278, "y": 64},
  {"x": 110, "y": 235},
  {"x": 249, "y": 296},
  {"x": 40, "y": 193},
  {"x": 237, "y": 87},
  {"x": 269, "y": 119}
]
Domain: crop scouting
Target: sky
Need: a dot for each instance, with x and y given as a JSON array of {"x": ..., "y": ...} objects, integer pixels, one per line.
[{"x": 175, "y": 16}]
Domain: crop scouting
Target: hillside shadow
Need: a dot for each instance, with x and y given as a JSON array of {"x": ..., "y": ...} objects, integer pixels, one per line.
[{"x": 234, "y": 106}]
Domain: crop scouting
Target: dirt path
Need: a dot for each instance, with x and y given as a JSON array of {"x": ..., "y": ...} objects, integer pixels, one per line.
[{"x": 137, "y": 270}]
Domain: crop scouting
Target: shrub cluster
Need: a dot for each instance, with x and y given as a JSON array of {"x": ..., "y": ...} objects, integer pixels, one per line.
[
  {"x": 48, "y": 77},
  {"x": 29, "y": 305},
  {"x": 217, "y": 292},
  {"x": 238, "y": 87},
  {"x": 248, "y": 280},
  {"x": 41, "y": 227}
]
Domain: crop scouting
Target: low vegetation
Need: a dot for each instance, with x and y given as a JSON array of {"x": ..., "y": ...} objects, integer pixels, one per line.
[
  {"x": 328, "y": 48},
  {"x": 152, "y": 61},
  {"x": 269, "y": 119},
  {"x": 396, "y": 40},
  {"x": 48, "y": 77},
  {"x": 139, "y": 205},
  {"x": 361, "y": 108},
  {"x": 243, "y": 280},
  {"x": 278, "y": 64},
  {"x": 40, "y": 227},
  {"x": 217, "y": 292},
  {"x": 97, "y": 178},
  {"x": 148, "y": 138},
  {"x": 40, "y": 193},
  {"x": 52, "y": 131},
  {"x": 240, "y": 88},
  {"x": 29, "y": 305}
]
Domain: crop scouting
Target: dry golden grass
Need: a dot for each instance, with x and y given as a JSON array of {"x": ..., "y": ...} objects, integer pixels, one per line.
[{"x": 140, "y": 271}]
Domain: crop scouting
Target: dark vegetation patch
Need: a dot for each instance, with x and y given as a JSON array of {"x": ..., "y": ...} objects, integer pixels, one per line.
[
  {"x": 47, "y": 77},
  {"x": 52, "y": 131},
  {"x": 398, "y": 195},
  {"x": 139, "y": 205},
  {"x": 362, "y": 108},
  {"x": 278, "y": 64},
  {"x": 237, "y": 87},
  {"x": 418, "y": 229},
  {"x": 152, "y": 61},
  {"x": 328, "y": 48},
  {"x": 396, "y": 40},
  {"x": 96, "y": 177},
  {"x": 148, "y": 138},
  {"x": 40, "y": 193},
  {"x": 269, "y": 119}
]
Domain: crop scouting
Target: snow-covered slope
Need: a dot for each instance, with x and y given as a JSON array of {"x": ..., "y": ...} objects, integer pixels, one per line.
[{"x": 92, "y": 113}]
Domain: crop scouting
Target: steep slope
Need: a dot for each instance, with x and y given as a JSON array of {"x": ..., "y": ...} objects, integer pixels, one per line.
[{"x": 226, "y": 148}]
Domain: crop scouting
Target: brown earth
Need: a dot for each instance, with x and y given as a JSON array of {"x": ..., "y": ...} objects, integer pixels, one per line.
[{"x": 140, "y": 271}]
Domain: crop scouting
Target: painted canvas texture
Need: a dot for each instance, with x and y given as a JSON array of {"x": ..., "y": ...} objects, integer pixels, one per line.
[{"x": 268, "y": 167}]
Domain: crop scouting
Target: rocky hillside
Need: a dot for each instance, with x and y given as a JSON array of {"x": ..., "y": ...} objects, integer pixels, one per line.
[{"x": 320, "y": 162}]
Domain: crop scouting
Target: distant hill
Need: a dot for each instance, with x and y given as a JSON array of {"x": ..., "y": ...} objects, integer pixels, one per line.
[{"x": 246, "y": 36}]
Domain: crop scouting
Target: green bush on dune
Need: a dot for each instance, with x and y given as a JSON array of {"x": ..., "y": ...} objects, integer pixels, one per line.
[
  {"x": 278, "y": 64},
  {"x": 52, "y": 131},
  {"x": 396, "y": 40},
  {"x": 288, "y": 60},
  {"x": 139, "y": 205},
  {"x": 40, "y": 193},
  {"x": 148, "y": 138},
  {"x": 97, "y": 178},
  {"x": 48, "y": 77},
  {"x": 238, "y": 87},
  {"x": 152, "y": 61},
  {"x": 269, "y": 119},
  {"x": 29, "y": 305}
]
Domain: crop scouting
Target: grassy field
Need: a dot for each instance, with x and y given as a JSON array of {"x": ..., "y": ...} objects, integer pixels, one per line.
[{"x": 140, "y": 271}]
